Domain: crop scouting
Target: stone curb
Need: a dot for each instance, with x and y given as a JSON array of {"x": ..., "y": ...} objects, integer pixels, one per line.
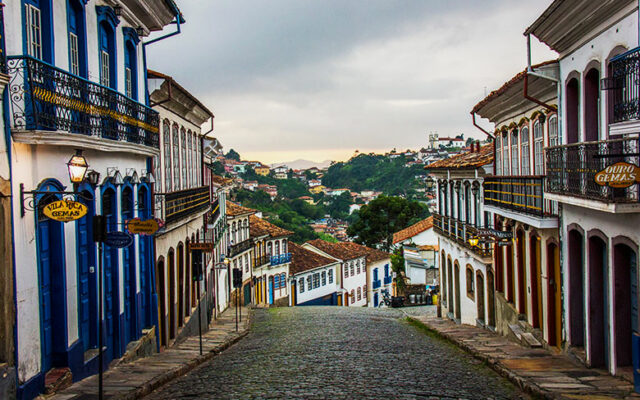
[
  {"x": 524, "y": 384},
  {"x": 188, "y": 366}
]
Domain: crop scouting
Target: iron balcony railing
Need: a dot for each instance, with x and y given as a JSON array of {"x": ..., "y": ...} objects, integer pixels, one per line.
[
  {"x": 44, "y": 97},
  {"x": 377, "y": 283},
  {"x": 240, "y": 247},
  {"x": 280, "y": 259},
  {"x": 623, "y": 84},
  {"x": 460, "y": 232},
  {"x": 572, "y": 169},
  {"x": 185, "y": 203},
  {"x": 261, "y": 261},
  {"x": 387, "y": 280},
  {"x": 524, "y": 194}
]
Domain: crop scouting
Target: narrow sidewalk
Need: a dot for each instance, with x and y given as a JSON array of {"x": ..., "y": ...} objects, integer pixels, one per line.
[
  {"x": 142, "y": 376},
  {"x": 536, "y": 371}
]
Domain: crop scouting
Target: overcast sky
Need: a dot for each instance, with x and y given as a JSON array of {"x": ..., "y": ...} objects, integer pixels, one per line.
[{"x": 318, "y": 79}]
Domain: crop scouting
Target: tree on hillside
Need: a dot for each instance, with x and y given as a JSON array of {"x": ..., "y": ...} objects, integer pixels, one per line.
[
  {"x": 377, "y": 221},
  {"x": 233, "y": 155},
  {"x": 339, "y": 206},
  {"x": 217, "y": 168}
]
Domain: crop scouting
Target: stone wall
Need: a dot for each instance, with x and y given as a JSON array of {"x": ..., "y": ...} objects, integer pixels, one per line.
[
  {"x": 506, "y": 314},
  {"x": 143, "y": 347},
  {"x": 191, "y": 326}
]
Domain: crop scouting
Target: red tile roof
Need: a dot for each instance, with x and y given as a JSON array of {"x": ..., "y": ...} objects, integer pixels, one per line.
[
  {"x": 234, "y": 210},
  {"x": 338, "y": 250},
  {"x": 467, "y": 160},
  {"x": 413, "y": 230},
  {"x": 373, "y": 255},
  {"x": 260, "y": 227},
  {"x": 304, "y": 260}
]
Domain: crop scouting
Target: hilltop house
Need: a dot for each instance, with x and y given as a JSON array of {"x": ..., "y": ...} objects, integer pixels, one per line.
[
  {"x": 419, "y": 247},
  {"x": 315, "y": 279}
]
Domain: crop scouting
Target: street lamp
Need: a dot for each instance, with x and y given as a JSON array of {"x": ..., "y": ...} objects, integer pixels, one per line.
[
  {"x": 77, "y": 166},
  {"x": 473, "y": 241}
]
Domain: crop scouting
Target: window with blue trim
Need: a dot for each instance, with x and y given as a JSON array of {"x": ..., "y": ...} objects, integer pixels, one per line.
[
  {"x": 77, "y": 38},
  {"x": 107, "y": 22},
  {"x": 331, "y": 276},
  {"x": 283, "y": 280},
  {"x": 386, "y": 270},
  {"x": 38, "y": 32},
  {"x": 324, "y": 278},
  {"x": 309, "y": 283},
  {"x": 276, "y": 282},
  {"x": 375, "y": 274},
  {"x": 130, "y": 62}
]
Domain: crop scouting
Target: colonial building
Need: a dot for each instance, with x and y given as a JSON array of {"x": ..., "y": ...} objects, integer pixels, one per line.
[
  {"x": 271, "y": 262},
  {"x": 466, "y": 275},
  {"x": 181, "y": 200},
  {"x": 315, "y": 279},
  {"x": 600, "y": 214},
  {"x": 379, "y": 274},
  {"x": 353, "y": 269},
  {"x": 240, "y": 243},
  {"x": 527, "y": 274},
  {"x": 77, "y": 79},
  {"x": 420, "y": 250}
]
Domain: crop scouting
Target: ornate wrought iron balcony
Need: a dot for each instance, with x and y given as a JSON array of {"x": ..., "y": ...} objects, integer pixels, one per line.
[
  {"x": 185, "y": 203},
  {"x": 44, "y": 97},
  {"x": 280, "y": 259},
  {"x": 572, "y": 169},
  {"x": 460, "y": 232},
  {"x": 524, "y": 194},
  {"x": 624, "y": 86},
  {"x": 240, "y": 247}
]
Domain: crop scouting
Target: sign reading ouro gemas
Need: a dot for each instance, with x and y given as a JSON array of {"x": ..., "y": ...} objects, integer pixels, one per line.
[
  {"x": 618, "y": 175},
  {"x": 65, "y": 210}
]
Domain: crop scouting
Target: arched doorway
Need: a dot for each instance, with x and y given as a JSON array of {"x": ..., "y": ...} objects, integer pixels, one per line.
[
  {"x": 271, "y": 294},
  {"x": 522, "y": 279},
  {"x": 554, "y": 311},
  {"x": 577, "y": 315},
  {"x": 52, "y": 282},
  {"x": 598, "y": 354},
  {"x": 87, "y": 273},
  {"x": 491, "y": 316},
  {"x": 499, "y": 265},
  {"x": 162, "y": 301},
  {"x": 450, "y": 304},
  {"x": 129, "y": 270},
  {"x": 480, "y": 296},
  {"x": 510, "y": 274},
  {"x": 625, "y": 277},
  {"x": 246, "y": 294},
  {"x": 111, "y": 277},
  {"x": 457, "y": 288},
  {"x": 536, "y": 284},
  {"x": 181, "y": 286},
  {"x": 591, "y": 104},
  {"x": 572, "y": 106},
  {"x": 173, "y": 323}
]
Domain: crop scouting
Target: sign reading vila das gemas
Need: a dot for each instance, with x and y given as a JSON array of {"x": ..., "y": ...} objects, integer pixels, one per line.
[
  {"x": 65, "y": 210},
  {"x": 618, "y": 175}
]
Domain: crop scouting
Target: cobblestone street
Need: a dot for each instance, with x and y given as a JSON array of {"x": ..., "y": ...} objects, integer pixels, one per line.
[{"x": 336, "y": 352}]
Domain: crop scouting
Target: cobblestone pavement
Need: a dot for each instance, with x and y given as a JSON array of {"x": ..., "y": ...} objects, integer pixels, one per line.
[{"x": 339, "y": 353}]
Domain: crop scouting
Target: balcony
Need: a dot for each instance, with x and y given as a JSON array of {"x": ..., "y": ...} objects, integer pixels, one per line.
[
  {"x": 520, "y": 198},
  {"x": 47, "y": 98},
  {"x": 623, "y": 84},
  {"x": 261, "y": 261},
  {"x": 572, "y": 169},
  {"x": 387, "y": 280},
  {"x": 281, "y": 259},
  {"x": 460, "y": 232},
  {"x": 240, "y": 247},
  {"x": 185, "y": 203},
  {"x": 376, "y": 284}
]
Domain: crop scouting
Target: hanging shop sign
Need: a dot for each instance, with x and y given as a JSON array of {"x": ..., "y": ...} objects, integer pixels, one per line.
[
  {"x": 118, "y": 239},
  {"x": 619, "y": 175},
  {"x": 65, "y": 210},
  {"x": 142, "y": 227},
  {"x": 495, "y": 234},
  {"x": 201, "y": 246}
]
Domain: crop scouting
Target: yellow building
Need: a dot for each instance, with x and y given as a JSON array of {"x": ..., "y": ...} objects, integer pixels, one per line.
[
  {"x": 316, "y": 189},
  {"x": 263, "y": 170}
]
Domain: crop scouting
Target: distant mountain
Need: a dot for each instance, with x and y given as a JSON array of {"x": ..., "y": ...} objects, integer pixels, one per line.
[{"x": 303, "y": 164}]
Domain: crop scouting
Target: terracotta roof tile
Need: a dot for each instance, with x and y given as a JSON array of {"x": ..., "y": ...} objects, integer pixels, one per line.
[
  {"x": 413, "y": 230},
  {"x": 466, "y": 160},
  {"x": 373, "y": 255},
  {"x": 304, "y": 260},
  {"x": 260, "y": 227},
  {"x": 233, "y": 209},
  {"x": 220, "y": 180},
  {"x": 342, "y": 250}
]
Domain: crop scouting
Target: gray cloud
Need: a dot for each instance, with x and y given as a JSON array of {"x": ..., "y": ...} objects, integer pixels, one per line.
[{"x": 301, "y": 75}]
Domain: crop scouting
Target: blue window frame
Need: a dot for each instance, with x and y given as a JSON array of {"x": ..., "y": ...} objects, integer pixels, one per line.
[
  {"x": 276, "y": 282},
  {"x": 375, "y": 274},
  {"x": 107, "y": 22},
  {"x": 386, "y": 270},
  {"x": 38, "y": 29},
  {"x": 77, "y": 36},
  {"x": 131, "y": 41}
]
